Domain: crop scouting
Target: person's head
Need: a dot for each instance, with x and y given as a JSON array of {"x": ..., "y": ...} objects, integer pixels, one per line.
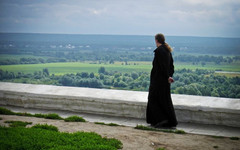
[{"x": 160, "y": 40}]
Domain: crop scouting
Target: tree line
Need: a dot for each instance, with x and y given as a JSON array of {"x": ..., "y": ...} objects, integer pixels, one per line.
[
  {"x": 111, "y": 58},
  {"x": 198, "y": 82}
]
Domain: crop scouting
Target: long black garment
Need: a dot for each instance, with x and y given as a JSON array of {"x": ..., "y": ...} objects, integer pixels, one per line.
[{"x": 160, "y": 105}]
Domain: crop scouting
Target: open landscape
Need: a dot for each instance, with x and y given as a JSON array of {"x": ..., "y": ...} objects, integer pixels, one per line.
[
  {"x": 133, "y": 66},
  {"x": 53, "y": 52},
  {"x": 120, "y": 62}
]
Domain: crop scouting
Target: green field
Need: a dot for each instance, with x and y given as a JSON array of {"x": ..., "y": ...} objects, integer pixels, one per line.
[{"x": 75, "y": 67}]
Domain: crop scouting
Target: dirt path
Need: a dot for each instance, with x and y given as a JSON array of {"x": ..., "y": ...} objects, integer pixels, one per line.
[{"x": 133, "y": 139}]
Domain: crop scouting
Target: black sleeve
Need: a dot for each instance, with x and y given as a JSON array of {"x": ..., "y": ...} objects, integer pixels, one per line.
[{"x": 171, "y": 71}]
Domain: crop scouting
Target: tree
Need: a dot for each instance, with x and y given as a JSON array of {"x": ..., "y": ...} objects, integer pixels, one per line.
[
  {"x": 101, "y": 70},
  {"x": 84, "y": 75},
  {"x": 134, "y": 75},
  {"x": 91, "y": 75},
  {"x": 66, "y": 80},
  {"x": 45, "y": 71},
  {"x": 203, "y": 64},
  {"x": 111, "y": 61}
]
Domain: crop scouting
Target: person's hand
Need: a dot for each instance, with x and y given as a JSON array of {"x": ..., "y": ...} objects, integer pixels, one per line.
[{"x": 170, "y": 80}]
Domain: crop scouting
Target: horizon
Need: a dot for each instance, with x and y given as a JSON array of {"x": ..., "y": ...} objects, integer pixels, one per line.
[{"x": 117, "y": 35}]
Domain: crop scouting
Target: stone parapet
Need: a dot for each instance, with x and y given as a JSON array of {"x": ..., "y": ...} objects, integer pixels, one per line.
[{"x": 194, "y": 109}]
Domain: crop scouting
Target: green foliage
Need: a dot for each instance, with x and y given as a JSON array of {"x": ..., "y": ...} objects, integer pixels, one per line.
[
  {"x": 39, "y": 115},
  {"x": 218, "y": 137},
  {"x": 179, "y": 132},
  {"x": 49, "y": 116},
  {"x": 46, "y": 127},
  {"x": 5, "y": 111},
  {"x": 74, "y": 119},
  {"x": 108, "y": 124},
  {"x": 24, "y": 114},
  {"x": 141, "y": 127},
  {"x": 38, "y": 138},
  {"x": 191, "y": 82},
  {"x": 215, "y": 146},
  {"x": 234, "y": 138},
  {"x": 18, "y": 123},
  {"x": 53, "y": 116},
  {"x": 0, "y": 118},
  {"x": 101, "y": 70},
  {"x": 161, "y": 149}
]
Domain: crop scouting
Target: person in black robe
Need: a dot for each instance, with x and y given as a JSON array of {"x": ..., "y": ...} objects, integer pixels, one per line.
[{"x": 160, "y": 111}]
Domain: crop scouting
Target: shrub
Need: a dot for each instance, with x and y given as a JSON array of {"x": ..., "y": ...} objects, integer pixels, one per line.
[
  {"x": 18, "y": 123},
  {"x": 74, "y": 119},
  {"x": 46, "y": 127},
  {"x": 5, "y": 111},
  {"x": 48, "y": 116},
  {"x": 53, "y": 116},
  {"x": 37, "y": 138},
  {"x": 40, "y": 115}
]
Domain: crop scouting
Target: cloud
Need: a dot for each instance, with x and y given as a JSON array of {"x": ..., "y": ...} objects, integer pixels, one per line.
[{"x": 175, "y": 17}]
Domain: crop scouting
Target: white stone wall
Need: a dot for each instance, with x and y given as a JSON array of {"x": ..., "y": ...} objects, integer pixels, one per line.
[{"x": 195, "y": 109}]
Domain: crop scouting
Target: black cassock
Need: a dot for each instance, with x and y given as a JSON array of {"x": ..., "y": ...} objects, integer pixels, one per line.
[{"x": 160, "y": 107}]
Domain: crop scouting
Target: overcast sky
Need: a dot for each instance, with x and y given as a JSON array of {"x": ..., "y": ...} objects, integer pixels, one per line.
[{"x": 214, "y": 18}]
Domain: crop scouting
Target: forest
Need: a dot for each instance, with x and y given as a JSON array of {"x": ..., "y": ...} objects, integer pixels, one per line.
[
  {"x": 198, "y": 82},
  {"x": 110, "y": 58}
]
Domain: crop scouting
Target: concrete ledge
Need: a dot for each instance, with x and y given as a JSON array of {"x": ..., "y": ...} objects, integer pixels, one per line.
[{"x": 194, "y": 109}]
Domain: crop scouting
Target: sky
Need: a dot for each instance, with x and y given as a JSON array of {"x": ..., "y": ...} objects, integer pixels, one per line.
[{"x": 207, "y": 18}]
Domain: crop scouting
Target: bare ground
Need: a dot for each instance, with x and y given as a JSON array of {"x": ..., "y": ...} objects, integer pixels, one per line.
[{"x": 134, "y": 139}]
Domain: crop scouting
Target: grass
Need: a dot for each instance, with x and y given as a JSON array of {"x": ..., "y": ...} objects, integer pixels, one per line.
[
  {"x": 75, "y": 67},
  {"x": 24, "y": 114},
  {"x": 46, "y": 116},
  {"x": 40, "y": 115},
  {"x": 39, "y": 138},
  {"x": 141, "y": 127},
  {"x": 53, "y": 116},
  {"x": 72, "y": 67},
  {"x": 161, "y": 149},
  {"x": 18, "y": 123},
  {"x": 231, "y": 138},
  {"x": 107, "y": 124},
  {"x": 218, "y": 137},
  {"x": 5, "y": 111},
  {"x": 46, "y": 127},
  {"x": 74, "y": 119},
  {"x": 234, "y": 138},
  {"x": 228, "y": 75}
]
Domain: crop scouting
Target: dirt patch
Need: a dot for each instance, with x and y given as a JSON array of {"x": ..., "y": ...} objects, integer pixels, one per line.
[{"x": 134, "y": 139}]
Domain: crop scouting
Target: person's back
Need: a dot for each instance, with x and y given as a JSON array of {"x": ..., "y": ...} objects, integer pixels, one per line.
[{"x": 160, "y": 111}]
